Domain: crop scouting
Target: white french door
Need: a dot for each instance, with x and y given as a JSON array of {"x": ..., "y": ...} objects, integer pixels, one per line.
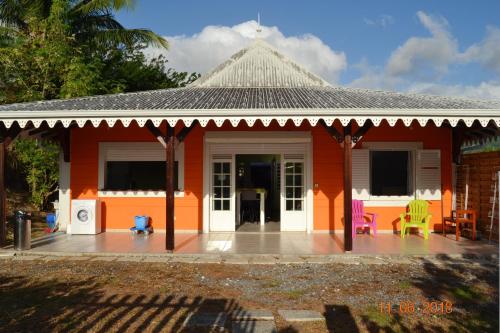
[
  {"x": 293, "y": 195},
  {"x": 222, "y": 201},
  {"x": 219, "y": 198}
]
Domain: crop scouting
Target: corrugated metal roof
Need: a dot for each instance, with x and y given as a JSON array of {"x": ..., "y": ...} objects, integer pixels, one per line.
[
  {"x": 254, "y": 98},
  {"x": 259, "y": 65}
]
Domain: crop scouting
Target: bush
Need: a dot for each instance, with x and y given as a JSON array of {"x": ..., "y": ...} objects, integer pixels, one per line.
[{"x": 39, "y": 161}]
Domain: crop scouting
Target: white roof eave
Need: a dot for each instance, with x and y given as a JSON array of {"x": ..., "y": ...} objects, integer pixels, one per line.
[{"x": 250, "y": 116}]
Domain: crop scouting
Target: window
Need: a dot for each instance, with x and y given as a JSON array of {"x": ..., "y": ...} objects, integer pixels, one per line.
[
  {"x": 221, "y": 186},
  {"x": 390, "y": 173},
  {"x": 138, "y": 175},
  {"x": 137, "y": 169},
  {"x": 294, "y": 186}
]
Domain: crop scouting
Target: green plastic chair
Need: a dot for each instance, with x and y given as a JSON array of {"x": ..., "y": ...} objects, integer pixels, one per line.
[{"x": 417, "y": 216}]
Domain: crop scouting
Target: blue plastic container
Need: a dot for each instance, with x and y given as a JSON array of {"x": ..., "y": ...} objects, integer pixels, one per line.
[
  {"x": 141, "y": 222},
  {"x": 51, "y": 220}
]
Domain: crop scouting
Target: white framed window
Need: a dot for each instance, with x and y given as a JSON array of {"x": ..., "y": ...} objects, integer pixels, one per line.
[
  {"x": 137, "y": 169},
  {"x": 393, "y": 173}
]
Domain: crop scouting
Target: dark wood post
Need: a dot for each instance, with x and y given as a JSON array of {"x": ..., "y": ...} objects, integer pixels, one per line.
[
  {"x": 347, "y": 188},
  {"x": 3, "y": 197},
  {"x": 170, "y": 160}
]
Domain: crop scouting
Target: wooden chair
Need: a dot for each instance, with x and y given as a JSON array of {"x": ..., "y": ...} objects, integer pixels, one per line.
[
  {"x": 359, "y": 218},
  {"x": 417, "y": 216},
  {"x": 461, "y": 218}
]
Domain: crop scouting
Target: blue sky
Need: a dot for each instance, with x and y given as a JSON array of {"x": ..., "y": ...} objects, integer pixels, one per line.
[{"x": 439, "y": 47}]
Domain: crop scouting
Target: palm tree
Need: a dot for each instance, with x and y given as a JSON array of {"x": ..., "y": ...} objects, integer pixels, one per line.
[{"x": 91, "y": 22}]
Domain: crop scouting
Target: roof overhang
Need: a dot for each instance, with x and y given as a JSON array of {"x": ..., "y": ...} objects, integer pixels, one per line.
[{"x": 249, "y": 116}]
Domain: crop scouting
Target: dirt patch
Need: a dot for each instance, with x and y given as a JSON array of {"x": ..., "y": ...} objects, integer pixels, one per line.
[{"x": 68, "y": 295}]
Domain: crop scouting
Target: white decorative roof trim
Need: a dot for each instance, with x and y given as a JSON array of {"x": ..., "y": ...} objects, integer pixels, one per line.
[{"x": 250, "y": 120}]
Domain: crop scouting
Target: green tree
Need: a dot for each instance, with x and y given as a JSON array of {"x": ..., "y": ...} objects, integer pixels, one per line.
[
  {"x": 67, "y": 48},
  {"x": 39, "y": 162},
  {"x": 90, "y": 22}
]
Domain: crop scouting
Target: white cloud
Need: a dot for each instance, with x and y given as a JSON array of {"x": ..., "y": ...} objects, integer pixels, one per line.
[
  {"x": 382, "y": 21},
  {"x": 203, "y": 51},
  {"x": 418, "y": 64},
  {"x": 373, "y": 77},
  {"x": 425, "y": 56},
  {"x": 487, "y": 52}
]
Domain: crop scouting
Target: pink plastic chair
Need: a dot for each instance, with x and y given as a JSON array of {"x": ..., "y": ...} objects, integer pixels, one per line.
[{"x": 359, "y": 218}]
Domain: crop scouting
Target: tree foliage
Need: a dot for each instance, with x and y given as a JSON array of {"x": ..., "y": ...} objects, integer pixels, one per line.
[
  {"x": 53, "y": 49},
  {"x": 38, "y": 160},
  {"x": 69, "y": 48}
]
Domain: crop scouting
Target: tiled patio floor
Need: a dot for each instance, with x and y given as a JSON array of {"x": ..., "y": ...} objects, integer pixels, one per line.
[{"x": 261, "y": 243}]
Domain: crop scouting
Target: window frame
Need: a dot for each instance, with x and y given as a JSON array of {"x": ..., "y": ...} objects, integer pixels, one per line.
[
  {"x": 410, "y": 173},
  {"x": 136, "y": 151},
  {"x": 394, "y": 200}
]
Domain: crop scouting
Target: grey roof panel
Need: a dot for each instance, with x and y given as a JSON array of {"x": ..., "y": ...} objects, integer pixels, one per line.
[{"x": 254, "y": 98}]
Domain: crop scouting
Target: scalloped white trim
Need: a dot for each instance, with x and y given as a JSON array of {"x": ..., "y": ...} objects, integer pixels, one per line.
[{"x": 235, "y": 118}]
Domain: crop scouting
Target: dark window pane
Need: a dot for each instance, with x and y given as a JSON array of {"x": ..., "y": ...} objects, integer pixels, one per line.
[
  {"x": 225, "y": 204},
  {"x": 298, "y": 192},
  {"x": 298, "y": 180},
  {"x": 298, "y": 204},
  {"x": 217, "y": 168},
  {"x": 226, "y": 180},
  {"x": 298, "y": 167},
  {"x": 289, "y": 192},
  {"x": 217, "y": 205},
  {"x": 289, "y": 204},
  {"x": 225, "y": 167},
  {"x": 217, "y": 181},
  {"x": 289, "y": 180},
  {"x": 225, "y": 192},
  {"x": 390, "y": 173},
  {"x": 138, "y": 175},
  {"x": 288, "y": 168}
]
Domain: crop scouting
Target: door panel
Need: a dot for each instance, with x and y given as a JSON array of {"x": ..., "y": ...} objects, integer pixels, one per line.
[
  {"x": 222, "y": 196},
  {"x": 293, "y": 216}
]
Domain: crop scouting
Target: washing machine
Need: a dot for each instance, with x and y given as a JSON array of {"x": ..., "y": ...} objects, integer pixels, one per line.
[{"x": 85, "y": 217}]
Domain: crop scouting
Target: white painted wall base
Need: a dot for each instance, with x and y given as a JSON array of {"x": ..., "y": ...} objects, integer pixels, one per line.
[{"x": 64, "y": 194}]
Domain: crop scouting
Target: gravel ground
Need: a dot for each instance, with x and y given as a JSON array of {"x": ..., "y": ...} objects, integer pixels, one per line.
[{"x": 89, "y": 295}]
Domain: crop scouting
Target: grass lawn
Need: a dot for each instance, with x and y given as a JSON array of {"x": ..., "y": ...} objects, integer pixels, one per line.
[{"x": 67, "y": 295}]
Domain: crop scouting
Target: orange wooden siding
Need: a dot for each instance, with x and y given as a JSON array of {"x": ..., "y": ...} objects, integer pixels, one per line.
[{"x": 118, "y": 213}]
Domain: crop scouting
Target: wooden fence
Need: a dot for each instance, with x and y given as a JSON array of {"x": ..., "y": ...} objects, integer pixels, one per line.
[{"x": 476, "y": 182}]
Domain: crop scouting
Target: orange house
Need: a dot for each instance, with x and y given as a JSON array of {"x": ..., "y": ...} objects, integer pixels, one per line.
[{"x": 259, "y": 144}]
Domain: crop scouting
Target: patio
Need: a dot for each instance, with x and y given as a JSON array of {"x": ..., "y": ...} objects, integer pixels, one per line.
[{"x": 259, "y": 244}]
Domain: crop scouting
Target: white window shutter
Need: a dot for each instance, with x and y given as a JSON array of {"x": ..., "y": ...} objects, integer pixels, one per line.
[
  {"x": 428, "y": 174},
  {"x": 361, "y": 174}
]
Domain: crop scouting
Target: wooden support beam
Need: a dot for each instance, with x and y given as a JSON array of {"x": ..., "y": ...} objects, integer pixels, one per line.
[
  {"x": 170, "y": 160},
  {"x": 183, "y": 133},
  {"x": 3, "y": 197},
  {"x": 361, "y": 131},
  {"x": 347, "y": 188},
  {"x": 6, "y": 137},
  {"x": 334, "y": 133},
  {"x": 64, "y": 137},
  {"x": 43, "y": 128},
  {"x": 157, "y": 133},
  {"x": 10, "y": 135}
]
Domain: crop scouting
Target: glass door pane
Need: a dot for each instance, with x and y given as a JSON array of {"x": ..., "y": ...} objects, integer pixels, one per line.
[
  {"x": 294, "y": 186},
  {"x": 221, "y": 186}
]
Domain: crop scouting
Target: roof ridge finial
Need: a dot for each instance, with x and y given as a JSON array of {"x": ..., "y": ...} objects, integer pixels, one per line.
[{"x": 259, "y": 29}]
